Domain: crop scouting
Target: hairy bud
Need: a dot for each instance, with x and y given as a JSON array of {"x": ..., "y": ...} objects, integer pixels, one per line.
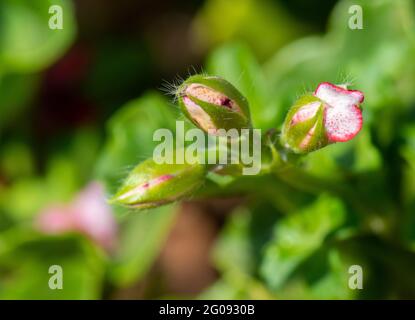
[
  {"x": 151, "y": 184},
  {"x": 212, "y": 103},
  {"x": 332, "y": 114}
]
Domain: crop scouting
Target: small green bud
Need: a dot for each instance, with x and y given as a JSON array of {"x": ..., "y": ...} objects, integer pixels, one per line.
[
  {"x": 151, "y": 184},
  {"x": 303, "y": 129},
  {"x": 212, "y": 103}
]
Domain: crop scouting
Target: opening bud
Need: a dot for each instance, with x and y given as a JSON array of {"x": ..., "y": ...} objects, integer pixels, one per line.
[
  {"x": 332, "y": 114},
  {"x": 151, "y": 184},
  {"x": 212, "y": 103}
]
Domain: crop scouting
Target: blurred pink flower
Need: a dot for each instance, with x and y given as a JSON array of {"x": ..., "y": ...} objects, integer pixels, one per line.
[{"x": 88, "y": 214}]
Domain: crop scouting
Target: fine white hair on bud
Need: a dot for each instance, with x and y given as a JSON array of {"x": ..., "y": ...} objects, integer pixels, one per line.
[
  {"x": 151, "y": 184},
  {"x": 212, "y": 103}
]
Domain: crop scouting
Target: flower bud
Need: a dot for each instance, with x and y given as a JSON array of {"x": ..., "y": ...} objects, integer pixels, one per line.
[
  {"x": 212, "y": 103},
  {"x": 151, "y": 184},
  {"x": 332, "y": 114}
]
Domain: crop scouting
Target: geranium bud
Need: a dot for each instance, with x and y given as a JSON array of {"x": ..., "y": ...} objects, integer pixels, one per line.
[
  {"x": 151, "y": 184},
  {"x": 332, "y": 114},
  {"x": 212, "y": 103}
]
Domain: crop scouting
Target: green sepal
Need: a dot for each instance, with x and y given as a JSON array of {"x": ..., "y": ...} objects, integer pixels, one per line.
[
  {"x": 183, "y": 180},
  {"x": 293, "y": 135},
  {"x": 222, "y": 117}
]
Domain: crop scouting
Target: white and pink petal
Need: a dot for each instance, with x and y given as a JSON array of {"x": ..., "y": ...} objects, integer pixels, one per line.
[{"x": 342, "y": 115}]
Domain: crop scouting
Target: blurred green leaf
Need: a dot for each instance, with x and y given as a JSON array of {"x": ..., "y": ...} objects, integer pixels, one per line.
[
  {"x": 83, "y": 149},
  {"x": 324, "y": 275},
  {"x": 257, "y": 22},
  {"x": 221, "y": 290},
  {"x": 237, "y": 64},
  {"x": 142, "y": 236},
  {"x": 339, "y": 160},
  {"x": 234, "y": 241},
  {"x": 27, "y": 196},
  {"x": 27, "y": 44},
  {"x": 24, "y": 270},
  {"x": 298, "y": 236},
  {"x": 236, "y": 286},
  {"x": 16, "y": 160}
]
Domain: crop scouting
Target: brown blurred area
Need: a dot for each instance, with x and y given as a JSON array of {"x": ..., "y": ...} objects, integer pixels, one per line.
[
  {"x": 184, "y": 261},
  {"x": 184, "y": 266}
]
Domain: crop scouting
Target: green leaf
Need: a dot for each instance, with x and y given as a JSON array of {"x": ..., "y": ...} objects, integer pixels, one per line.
[
  {"x": 25, "y": 268},
  {"x": 298, "y": 236},
  {"x": 27, "y": 196},
  {"x": 263, "y": 24},
  {"x": 142, "y": 236},
  {"x": 244, "y": 237},
  {"x": 236, "y": 286},
  {"x": 236, "y": 63},
  {"x": 27, "y": 44},
  {"x": 339, "y": 160},
  {"x": 234, "y": 241}
]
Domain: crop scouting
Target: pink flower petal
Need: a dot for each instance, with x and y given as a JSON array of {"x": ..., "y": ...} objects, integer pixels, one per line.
[
  {"x": 338, "y": 96},
  {"x": 55, "y": 220},
  {"x": 88, "y": 214},
  {"x": 94, "y": 217},
  {"x": 342, "y": 124},
  {"x": 305, "y": 112},
  {"x": 342, "y": 117},
  {"x": 305, "y": 142}
]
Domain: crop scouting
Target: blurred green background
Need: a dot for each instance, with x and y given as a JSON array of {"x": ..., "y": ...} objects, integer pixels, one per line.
[{"x": 78, "y": 108}]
